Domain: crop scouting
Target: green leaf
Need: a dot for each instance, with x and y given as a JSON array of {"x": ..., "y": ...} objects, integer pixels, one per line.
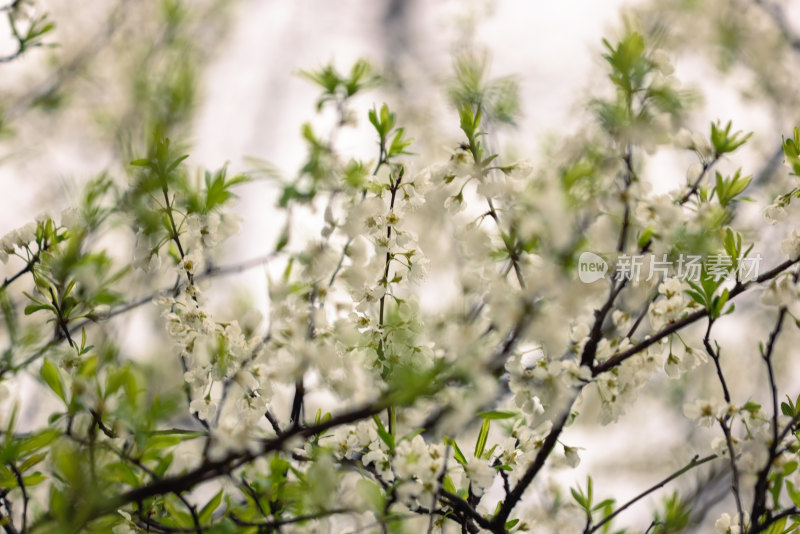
[
  {"x": 723, "y": 141},
  {"x": 37, "y": 441},
  {"x": 33, "y": 308},
  {"x": 794, "y": 494},
  {"x": 697, "y": 297},
  {"x": 789, "y": 467},
  {"x": 496, "y": 415},
  {"x": 207, "y": 511},
  {"x": 31, "y": 461},
  {"x": 603, "y": 504},
  {"x": 51, "y": 375},
  {"x": 579, "y": 498},
  {"x": 752, "y": 406},
  {"x": 33, "y": 479},
  {"x": 777, "y": 527},
  {"x": 448, "y": 485},
  {"x": 399, "y": 145},
  {"x": 791, "y": 149},
  {"x": 156, "y": 443},
  {"x": 122, "y": 473},
  {"x": 718, "y": 303},
  {"x": 181, "y": 518},
  {"x": 468, "y": 122},
  {"x": 646, "y": 237},
  {"x": 176, "y": 162},
  {"x": 480, "y": 444},
  {"x": 457, "y": 454},
  {"x": 164, "y": 461},
  {"x": 385, "y": 436},
  {"x": 372, "y": 493}
]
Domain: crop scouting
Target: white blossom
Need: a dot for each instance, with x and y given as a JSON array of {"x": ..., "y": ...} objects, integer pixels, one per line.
[
  {"x": 775, "y": 213},
  {"x": 705, "y": 411},
  {"x": 791, "y": 246}
]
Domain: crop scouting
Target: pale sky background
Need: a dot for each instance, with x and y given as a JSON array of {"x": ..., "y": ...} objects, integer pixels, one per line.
[{"x": 253, "y": 102}]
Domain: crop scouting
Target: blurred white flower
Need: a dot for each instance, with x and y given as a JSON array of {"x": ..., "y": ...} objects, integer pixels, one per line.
[
  {"x": 791, "y": 246},
  {"x": 704, "y": 411},
  {"x": 775, "y": 213}
]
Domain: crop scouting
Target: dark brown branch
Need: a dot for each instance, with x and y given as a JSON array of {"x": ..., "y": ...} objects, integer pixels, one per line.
[
  {"x": 793, "y": 511},
  {"x": 696, "y": 185},
  {"x": 590, "y": 349},
  {"x": 735, "y": 485},
  {"x": 762, "y": 481},
  {"x": 211, "y": 469},
  {"x": 28, "y": 267},
  {"x": 715, "y": 356},
  {"x": 21, "y": 484},
  {"x": 10, "y": 7},
  {"x": 462, "y": 506},
  {"x": 515, "y": 496},
  {"x": 723, "y": 421}
]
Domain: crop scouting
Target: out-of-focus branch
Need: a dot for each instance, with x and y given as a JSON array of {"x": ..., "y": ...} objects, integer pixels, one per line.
[
  {"x": 688, "y": 467},
  {"x": 70, "y": 68},
  {"x": 778, "y": 16}
]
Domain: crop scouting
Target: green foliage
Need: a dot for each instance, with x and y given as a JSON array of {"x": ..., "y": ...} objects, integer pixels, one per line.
[
  {"x": 338, "y": 87},
  {"x": 705, "y": 294},
  {"x": 52, "y": 376},
  {"x": 384, "y": 122},
  {"x": 640, "y": 93},
  {"x": 727, "y": 189},
  {"x": 791, "y": 149},
  {"x": 480, "y": 444},
  {"x": 32, "y": 36},
  {"x": 629, "y": 64},
  {"x": 674, "y": 517},
  {"x": 130, "y": 442},
  {"x": 498, "y": 97},
  {"x": 723, "y": 142}
]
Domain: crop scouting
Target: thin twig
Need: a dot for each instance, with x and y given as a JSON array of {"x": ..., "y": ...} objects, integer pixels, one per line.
[
  {"x": 688, "y": 467},
  {"x": 21, "y": 484}
]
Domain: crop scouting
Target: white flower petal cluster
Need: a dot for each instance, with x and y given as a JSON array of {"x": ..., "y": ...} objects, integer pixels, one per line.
[
  {"x": 419, "y": 464},
  {"x": 782, "y": 292},
  {"x": 207, "y": 231},
  {"x": 19, "y": 238},
  {"x": 791, "y": 246},
  {"x": 730, "y": 525},
  {"x": 218, "y": 352},
  {"x": 775, "y": 213},
  {"x": 619, "y": 388},
  {"x": 480, "y": 474},
  {"x": 671, "y": 304},
  {"x": 705, "y": 411},
  {"x": 694, "y": 141},
  {"x": 678, "y": 362}
]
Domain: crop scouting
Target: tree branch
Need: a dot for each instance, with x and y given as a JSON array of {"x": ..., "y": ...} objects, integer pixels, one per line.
[{"x": 687, "y": 320}]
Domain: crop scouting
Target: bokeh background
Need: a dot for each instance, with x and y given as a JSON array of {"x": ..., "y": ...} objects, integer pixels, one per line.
[{"x": 81, "y": 107}]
